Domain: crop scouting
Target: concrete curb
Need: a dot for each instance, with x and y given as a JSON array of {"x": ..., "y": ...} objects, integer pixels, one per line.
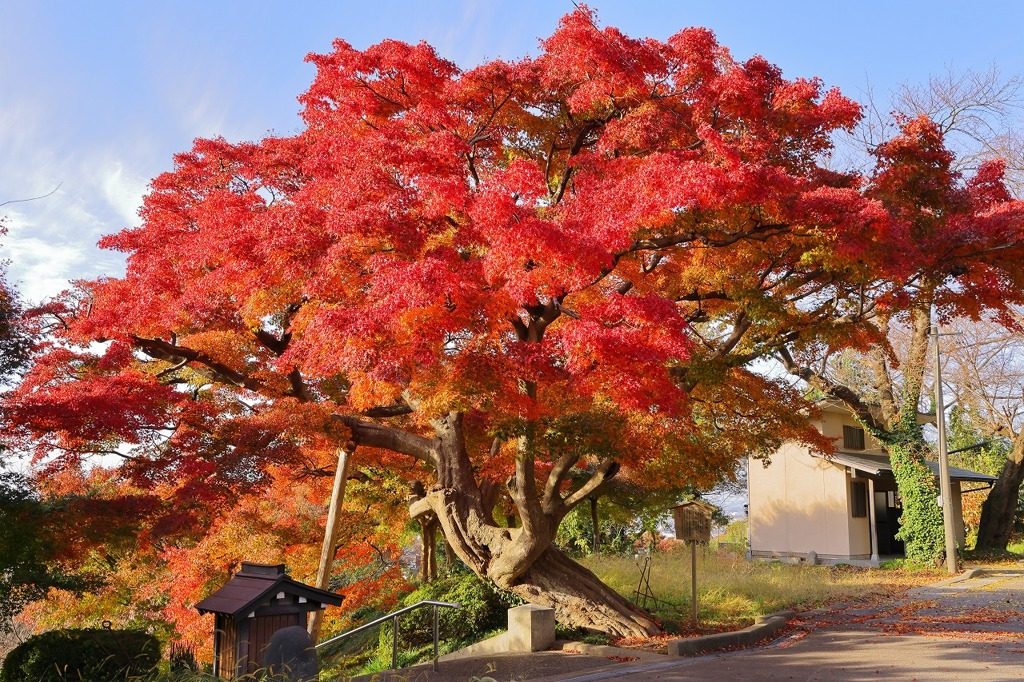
[
  {"x": 764, "y": 626},
  {"x": 606, "y": 651},
  {"x": 966, "y": 575}
]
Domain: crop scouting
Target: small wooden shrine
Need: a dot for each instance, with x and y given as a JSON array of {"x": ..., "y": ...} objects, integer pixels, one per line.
[{"x": 258, "y": 601}]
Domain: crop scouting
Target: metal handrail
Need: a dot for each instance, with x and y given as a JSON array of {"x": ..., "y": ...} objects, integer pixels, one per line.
[{"x": 393, "y": 616}]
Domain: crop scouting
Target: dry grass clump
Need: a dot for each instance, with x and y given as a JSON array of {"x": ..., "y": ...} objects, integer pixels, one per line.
[{"x": 732, "y": 591}]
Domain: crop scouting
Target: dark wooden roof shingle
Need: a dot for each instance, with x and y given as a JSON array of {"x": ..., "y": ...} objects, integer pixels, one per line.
[{"x": 258, "y": 584}]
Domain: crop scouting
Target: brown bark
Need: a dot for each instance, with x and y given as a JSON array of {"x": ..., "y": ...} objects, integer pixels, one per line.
[
  {"x": 525, "y": 562},
  {"x": 913, "y": 369},
  {"x": 428, "y": 558},
  {"x": 1000, "y": 507},
  {"x": 522, "y": 560},
  {"x": 428, "y": 533},
  {"x": 579, "y": 597}
]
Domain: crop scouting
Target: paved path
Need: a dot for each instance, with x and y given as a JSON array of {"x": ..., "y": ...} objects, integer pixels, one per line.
[
  {"x": 968, "y": 630},
  {"x": 972, "y": 629}
]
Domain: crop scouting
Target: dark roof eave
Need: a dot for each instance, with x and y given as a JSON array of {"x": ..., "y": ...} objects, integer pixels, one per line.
[
  {"x": 313, "y": 594},
  {"x": 878, "y": 464}
]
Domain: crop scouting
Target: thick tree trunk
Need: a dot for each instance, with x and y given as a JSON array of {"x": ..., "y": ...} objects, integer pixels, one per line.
[
  {"x": 1000, "y": 507},
  {"x": 522, "y": 559},
  {"x": 579, "y": 597},
  {"x": 528, "y": 565}
]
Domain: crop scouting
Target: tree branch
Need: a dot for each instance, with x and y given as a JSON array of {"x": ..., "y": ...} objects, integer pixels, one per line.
[
  {"x": 833, "y": 390},
  {"x": 558, "y": 473},
  {"x": 606, "y": 470},
  {"x": 164, "y": 350},
  {"x": 373, "y": 435}
]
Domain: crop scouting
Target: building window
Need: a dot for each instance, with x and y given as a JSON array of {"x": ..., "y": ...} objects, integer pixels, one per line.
[
  {"x": 853, "y": 438},
  {"x": 859, "y": 498}
]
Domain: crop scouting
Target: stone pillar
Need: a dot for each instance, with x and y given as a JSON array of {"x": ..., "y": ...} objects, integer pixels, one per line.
[{"x": 530, "y": 628}]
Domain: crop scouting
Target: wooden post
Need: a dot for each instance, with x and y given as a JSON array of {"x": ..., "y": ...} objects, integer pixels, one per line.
[
  {"x": 693, "y": 579},
  {"x": 872, "y": 520},
  {"x": 323, "y": 574}
]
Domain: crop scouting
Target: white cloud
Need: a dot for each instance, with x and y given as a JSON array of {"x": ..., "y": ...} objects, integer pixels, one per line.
[
  {"x": 123, "y": 191},
  {"x": 40, "y": 266},
  {"x": 52, "y": 240}
]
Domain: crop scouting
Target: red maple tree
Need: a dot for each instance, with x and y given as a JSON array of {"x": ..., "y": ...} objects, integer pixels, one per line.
[{"x": 526, "y": 278}]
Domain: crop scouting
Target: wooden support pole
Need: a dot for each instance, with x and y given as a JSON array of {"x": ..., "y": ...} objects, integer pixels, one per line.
[
  {"x": 693, "y": 579},
  {"x": 331, "y": 531}
]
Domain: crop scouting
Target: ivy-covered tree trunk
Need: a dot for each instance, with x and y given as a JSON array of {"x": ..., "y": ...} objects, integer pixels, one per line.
[
  {"x": 894, "y": 421},
  {"x": 921, "y": 525}
]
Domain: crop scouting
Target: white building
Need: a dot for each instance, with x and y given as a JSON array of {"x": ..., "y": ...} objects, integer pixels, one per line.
[{"x": 839, "y": 509}]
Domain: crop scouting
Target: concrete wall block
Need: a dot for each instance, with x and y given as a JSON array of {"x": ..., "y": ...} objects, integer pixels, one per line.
[{"x": 530, "y": 628}]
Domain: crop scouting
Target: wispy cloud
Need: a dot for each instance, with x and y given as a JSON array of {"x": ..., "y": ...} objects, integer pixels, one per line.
[
  {"x": 122, "y": 190},
  {"x": 52, "y": 240},
  {"x": 41, "y": 264}
]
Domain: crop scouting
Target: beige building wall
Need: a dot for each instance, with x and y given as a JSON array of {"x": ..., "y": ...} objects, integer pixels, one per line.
[
  {"x": 859, "y": 527},
  {"x": 799, "y": 504},
  {"x": 831, "y": 425}
]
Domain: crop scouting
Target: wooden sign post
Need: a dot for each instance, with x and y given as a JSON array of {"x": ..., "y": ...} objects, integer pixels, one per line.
[{"x": 693, "y": 525}]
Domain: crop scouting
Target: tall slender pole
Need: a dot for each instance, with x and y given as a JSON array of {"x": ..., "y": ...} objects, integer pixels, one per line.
[
  {"x": 435, "y": 637},
  {"x": 323, "y": 574},
  {"x": 693, "y": 579},
  {"x": 945, "y": 484}
]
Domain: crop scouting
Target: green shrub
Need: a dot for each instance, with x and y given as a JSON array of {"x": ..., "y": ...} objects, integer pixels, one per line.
[
  {"x": 484, "y": 609},
  {"x": 94, "y": 654}
]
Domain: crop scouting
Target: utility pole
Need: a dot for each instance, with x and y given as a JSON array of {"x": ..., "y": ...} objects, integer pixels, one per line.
[{"x": 945, "y": 484}]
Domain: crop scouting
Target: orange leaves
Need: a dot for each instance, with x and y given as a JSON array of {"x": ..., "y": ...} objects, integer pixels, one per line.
[
  {"x": 105, "y": 409},
  {"x": 583, "y": 249},
  {"x": 375, "y": 84},
  {"x": 697, "y": 51},
  {"x": 402, "y": 245},
  {"x": 970, "y": 233}
]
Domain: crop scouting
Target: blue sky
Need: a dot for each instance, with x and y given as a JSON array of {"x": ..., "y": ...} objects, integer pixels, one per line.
[{"x": 98, "y": 95}]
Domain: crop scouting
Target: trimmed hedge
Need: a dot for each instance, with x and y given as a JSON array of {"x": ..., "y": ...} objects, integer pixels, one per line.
[{"x": 90, "y": 654}]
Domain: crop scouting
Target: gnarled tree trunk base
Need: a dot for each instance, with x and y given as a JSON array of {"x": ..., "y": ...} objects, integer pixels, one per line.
[{"x": 580, "y": 599}]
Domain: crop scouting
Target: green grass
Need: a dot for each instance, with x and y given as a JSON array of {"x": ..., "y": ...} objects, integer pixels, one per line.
[{"x": 732, "y": 591}]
